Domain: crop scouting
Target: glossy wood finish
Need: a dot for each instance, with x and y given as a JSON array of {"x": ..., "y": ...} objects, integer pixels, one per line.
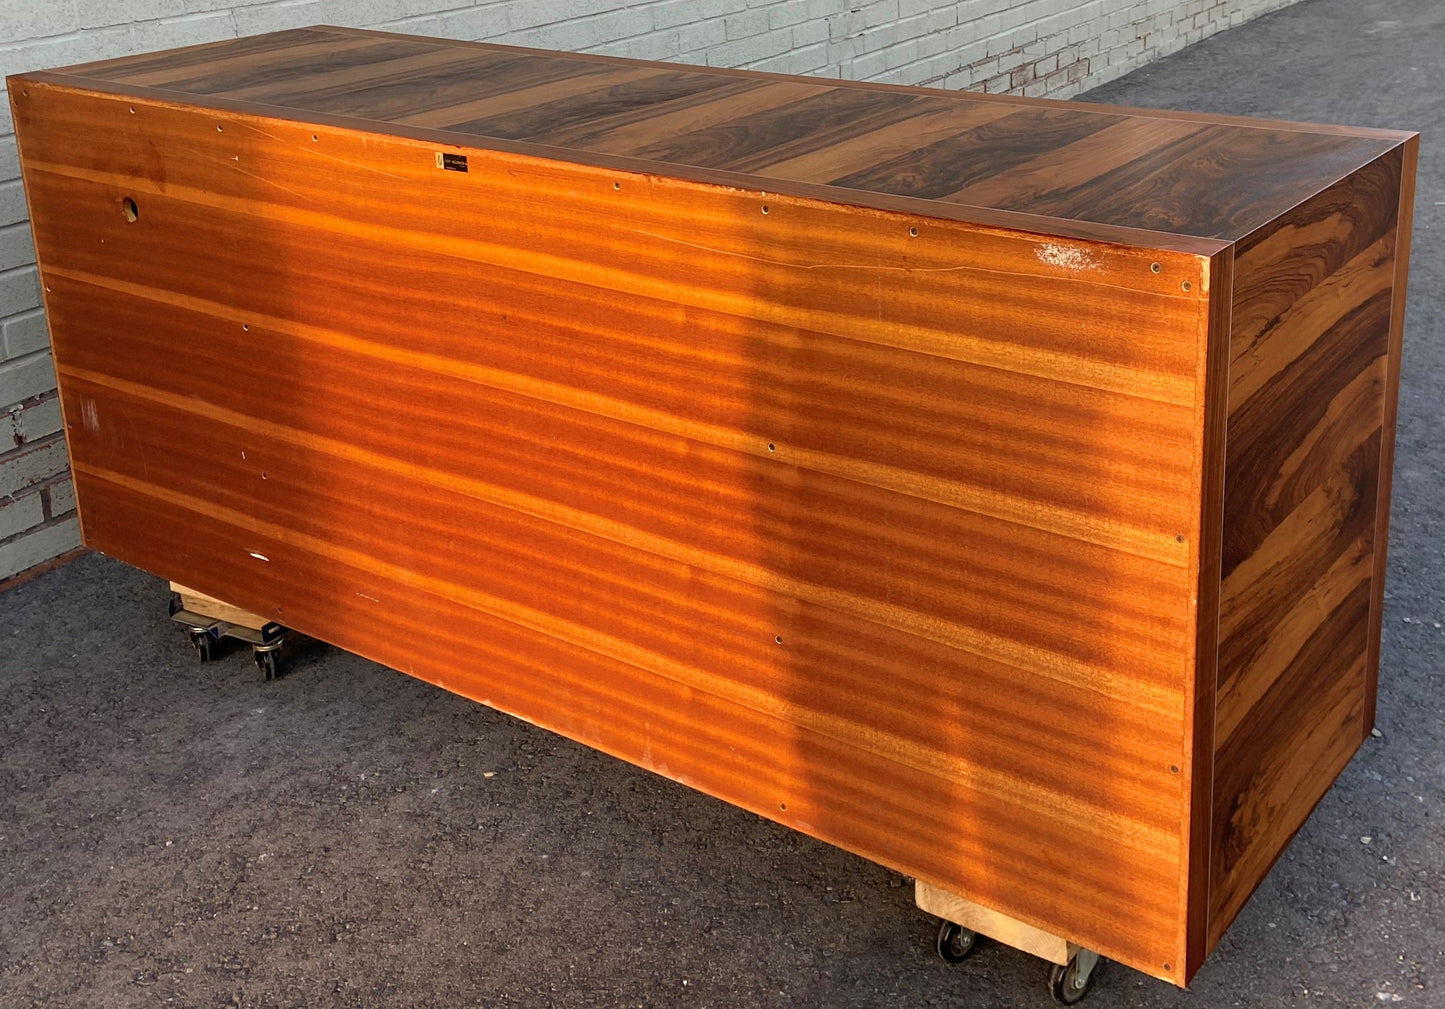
[
  {"x": 1310, "y": 370},
  {"x": 1075, "y": 164},
  {"x": 855, "y": 454}
]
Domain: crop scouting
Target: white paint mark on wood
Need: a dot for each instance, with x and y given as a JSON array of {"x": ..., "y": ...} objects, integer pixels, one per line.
[{"x": 1074, "y": 258}]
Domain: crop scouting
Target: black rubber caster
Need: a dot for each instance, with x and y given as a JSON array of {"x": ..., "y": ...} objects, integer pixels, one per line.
[
  {"x": 268, "y": 663},
  {"x": 954, "y": 942},
  {"x": 202, "y": 643},
  {"x": 1068, "y": 983}
]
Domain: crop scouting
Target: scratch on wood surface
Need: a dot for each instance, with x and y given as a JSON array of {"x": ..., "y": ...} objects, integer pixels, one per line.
[{"x": 362, "y": 166}]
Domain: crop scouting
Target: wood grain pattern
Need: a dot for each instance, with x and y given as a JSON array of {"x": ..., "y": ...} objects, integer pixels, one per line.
[
  {"x": 217, "y": 609},
  {"x": 995, "y": 488},
  {"x": 988, "y": 922},
  {"x": 1131, "y": 168},
  {"x": 717, "y": 468},
  {"x": 1310, "y": 368}
]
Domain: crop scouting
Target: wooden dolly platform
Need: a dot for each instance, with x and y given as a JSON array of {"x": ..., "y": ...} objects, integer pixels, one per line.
[
  {"x": 995, "y": 488},
  {"x": 208, "y": 620}
]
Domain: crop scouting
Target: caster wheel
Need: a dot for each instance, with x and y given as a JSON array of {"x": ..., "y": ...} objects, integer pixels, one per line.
[
  {"x": 268, "y": 664},
  {"x": 954, "y": 942},
  {"x": 201, "y": 642},
  {"x": 1069, "y": 984}
]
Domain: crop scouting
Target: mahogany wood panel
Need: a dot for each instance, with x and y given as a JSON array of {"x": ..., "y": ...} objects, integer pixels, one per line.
[
  {"x": 1310, "y": 369},
  {"x": 718, "y": 466},
  {"x": 991, "y": 487}
]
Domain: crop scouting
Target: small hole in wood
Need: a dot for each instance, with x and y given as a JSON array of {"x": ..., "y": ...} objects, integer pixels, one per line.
[
  {"x": 128, "y": 207},
  {"x": 765, "y": 208},
  {"x": 1168, "y": 967},
  {"x": 616, "y": 185},
  {"x": 772, "y": 447},
  {"x": 913, "y": 232},
  {"x": 1173, "y": 768},
  {"x": 1187, "y": 286},
  {"x": 315, "y": 139},
  {"x": 25, "y": 93},
  {"x": 778, "y": 639},
  {"x": 264, "y": 477},
  {"x": 1179, "y": 538},
  {"x": 219, "y": 128},
  {"x": 783, "y": 806},
  {"x": 1155, "y": 267},
  {"x": 132, "y": 110}
]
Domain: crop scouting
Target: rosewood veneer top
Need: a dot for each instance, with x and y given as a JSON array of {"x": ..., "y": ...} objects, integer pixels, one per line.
[{"x": 1088, "y": 171}]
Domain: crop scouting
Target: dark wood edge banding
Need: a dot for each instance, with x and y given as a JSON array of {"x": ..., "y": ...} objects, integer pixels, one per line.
[
  {"x": 1321, "y": 185},
  {"x": 1403, "y": 229},
  {"x": 1003, "y": 220},
  {"x": 1096, "y": 107},
  {"x": 1199, "y": 798}
]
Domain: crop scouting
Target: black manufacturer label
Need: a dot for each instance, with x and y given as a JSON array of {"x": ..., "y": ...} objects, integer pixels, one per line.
[{"x": 452, "y": 162}]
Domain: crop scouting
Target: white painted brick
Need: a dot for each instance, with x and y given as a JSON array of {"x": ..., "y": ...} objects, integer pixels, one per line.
[
  {"x": 17, "y": 248},
  {"x": 809, "y": 33},
  {"x": 25, "y": 378},
  {"x": 24, "y": 334},
  {"x": 19, "y": 290},
  {"x": 48, "y": 53},
  {"x": 32, "y": 422},
  {"x": 20, "y": 513},
  {"x": 622, "y": 24},
  {"x": 61, "y": 497},
  {"x": 23, "y": 19},
  {"x": 574, "y": 36},
  {"x": 9, "y": 159},
  {"x": 185, "y": 31},
  {"x": 742, "y": 52},
  {"x": 789, "y": 13},
  {"x": 698, "y": 37},
  {"x": 39, "y": 545},
  {"x": 477, "y": 24},
  {"x": 103, "y": 13},
  {"x": 746, "y": 25},
  {"x": 546, "y": 12},
  {"x": 673, "y": 13},
  {"x": 31, "y": 465},
  {"x": 12, "y": 203},
  {"x": 201, "y": 6},
  {"x": 652, "y": 46}
]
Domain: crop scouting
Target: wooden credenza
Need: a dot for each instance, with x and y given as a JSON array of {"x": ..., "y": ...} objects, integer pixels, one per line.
[{"x": 995, "y": 488}]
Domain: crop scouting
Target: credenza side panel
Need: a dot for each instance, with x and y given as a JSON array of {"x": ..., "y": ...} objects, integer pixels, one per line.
[
  {"x": 880, "y": 526},
  {"x": 1309, "y": 371}
]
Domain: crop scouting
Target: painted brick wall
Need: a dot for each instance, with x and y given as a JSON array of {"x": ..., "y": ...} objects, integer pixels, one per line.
[{"x": 1030, "y": 47}]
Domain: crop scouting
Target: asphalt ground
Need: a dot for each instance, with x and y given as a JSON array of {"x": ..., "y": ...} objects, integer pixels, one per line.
[{"x": 177, "y": 834}]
